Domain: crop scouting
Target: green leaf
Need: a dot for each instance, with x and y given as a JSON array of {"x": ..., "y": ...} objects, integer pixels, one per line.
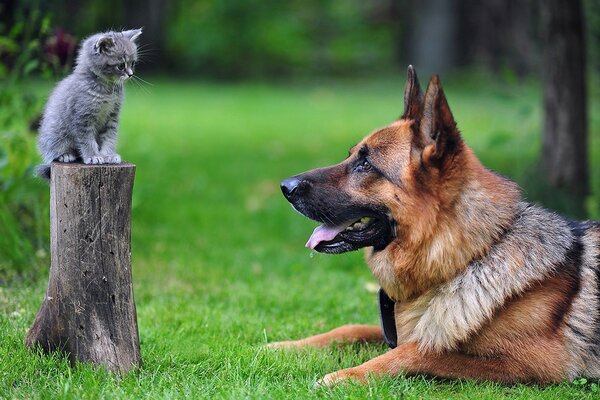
[
  {"x": 17, "y": 29},
  {"x": 30, "y": 66},
  {"x": 34, "y": 44},
  {"x": 45, "y": 24},
  {"x": 8, "y": 45}
]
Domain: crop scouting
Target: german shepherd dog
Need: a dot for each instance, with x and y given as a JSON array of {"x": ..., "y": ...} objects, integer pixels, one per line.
[{"x": 479, "y": 284}]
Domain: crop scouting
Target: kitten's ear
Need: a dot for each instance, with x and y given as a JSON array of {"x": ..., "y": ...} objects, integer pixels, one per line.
[
  {"x": 104, "y": 44},
  {"x": 132, "y": 34}
]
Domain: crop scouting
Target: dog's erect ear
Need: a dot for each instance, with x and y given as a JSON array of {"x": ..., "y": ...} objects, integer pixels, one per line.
[
  {"x": 104, "y": 44},
  {"x": 438, "y": 129},
  {"x": 132, "y": 34},
  {"x": 413, "y": 96}
]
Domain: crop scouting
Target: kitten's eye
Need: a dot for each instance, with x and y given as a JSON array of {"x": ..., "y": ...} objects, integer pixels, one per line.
[
  {"x": 132, "y": 64},
  {"x": 121, "y": 66},
  {"x": 364, "y": 166}
]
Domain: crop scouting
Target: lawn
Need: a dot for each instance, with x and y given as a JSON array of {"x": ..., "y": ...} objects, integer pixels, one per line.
[{"x": 219, "y": 263}]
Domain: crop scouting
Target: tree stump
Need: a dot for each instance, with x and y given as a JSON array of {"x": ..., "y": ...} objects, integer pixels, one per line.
[{"x": 89, "y": 310}]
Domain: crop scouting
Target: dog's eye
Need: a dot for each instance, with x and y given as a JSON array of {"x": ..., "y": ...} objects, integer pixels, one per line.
[{"x": 364, "y": 166}]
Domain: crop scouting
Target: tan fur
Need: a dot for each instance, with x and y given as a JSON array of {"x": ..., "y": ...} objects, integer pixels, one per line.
[{"x": 343, "y": 334}]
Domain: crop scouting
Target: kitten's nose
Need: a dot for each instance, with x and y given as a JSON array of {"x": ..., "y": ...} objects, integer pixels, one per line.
[{"x": 129, "y": 72}]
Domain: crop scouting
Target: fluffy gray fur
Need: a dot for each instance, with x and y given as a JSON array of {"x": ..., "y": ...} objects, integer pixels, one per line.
[{"x": 82, "y": 114}]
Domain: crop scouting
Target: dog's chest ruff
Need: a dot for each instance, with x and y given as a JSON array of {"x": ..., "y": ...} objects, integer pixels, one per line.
[{"x": 446, "y": 316}]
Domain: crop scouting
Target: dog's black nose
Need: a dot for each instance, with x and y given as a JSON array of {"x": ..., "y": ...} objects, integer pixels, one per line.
[{"x": 292, "y": 187}]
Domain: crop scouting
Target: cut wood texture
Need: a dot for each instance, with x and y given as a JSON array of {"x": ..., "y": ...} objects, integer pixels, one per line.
[{"x": 89, "y": 311}]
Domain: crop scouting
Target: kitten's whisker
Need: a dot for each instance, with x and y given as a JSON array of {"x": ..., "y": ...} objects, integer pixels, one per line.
[
  {"x": 146, "y": 82},
  {"x": 146, "y": 51},
  {"x": 139, "y": 85},
  {"x": 145, "y": 56},
  {"x": 142, "y": 87},
  {"x": 142, "y": 46}
]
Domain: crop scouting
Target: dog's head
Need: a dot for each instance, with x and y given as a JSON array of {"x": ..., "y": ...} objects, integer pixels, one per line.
[{"x": 392, "y": 181}]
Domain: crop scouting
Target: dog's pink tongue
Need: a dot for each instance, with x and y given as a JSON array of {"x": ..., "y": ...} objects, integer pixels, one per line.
[{"x": 324, "y": 233}]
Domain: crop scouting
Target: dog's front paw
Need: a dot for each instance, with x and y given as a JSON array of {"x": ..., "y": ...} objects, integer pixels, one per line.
[
  {"x": 286, "y": 344},
  {"x": 93, "y": 160},
  {"x": 342, "y": 376},
  {"x": 112, "y": 159}
]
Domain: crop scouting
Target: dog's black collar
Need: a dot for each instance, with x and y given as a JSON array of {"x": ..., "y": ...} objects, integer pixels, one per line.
[{"x": 388, "y": 319}]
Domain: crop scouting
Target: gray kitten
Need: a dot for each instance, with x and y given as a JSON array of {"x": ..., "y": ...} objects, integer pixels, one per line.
[{"x": 82, "y": 114}]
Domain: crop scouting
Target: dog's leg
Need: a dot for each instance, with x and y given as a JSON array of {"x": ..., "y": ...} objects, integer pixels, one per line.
[
  {"x": 343, "y": 334},
  {"x": 538, "y": 361}
]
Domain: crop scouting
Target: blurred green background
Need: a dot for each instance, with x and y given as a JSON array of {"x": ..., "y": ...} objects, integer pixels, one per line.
[{"x": 237, "y": 95}]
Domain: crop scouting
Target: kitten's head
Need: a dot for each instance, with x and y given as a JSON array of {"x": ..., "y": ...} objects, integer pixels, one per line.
[{"x": 110, "y": 55}]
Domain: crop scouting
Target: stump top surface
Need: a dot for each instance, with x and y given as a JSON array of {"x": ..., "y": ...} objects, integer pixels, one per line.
[{"x": 56, "y": 164}]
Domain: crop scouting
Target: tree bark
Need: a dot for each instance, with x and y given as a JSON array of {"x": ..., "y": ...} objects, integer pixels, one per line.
[
  {"x": 433, "y": 39},
  {"x": 564, "y": 150},
  {"x": 89, "y": 311}
]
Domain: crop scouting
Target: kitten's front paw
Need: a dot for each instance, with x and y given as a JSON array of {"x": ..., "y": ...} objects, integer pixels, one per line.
[
  {"x": 93, "y": 160},
  {"x": 112, "y": 159},
  {"x": 67, "y": 157}
]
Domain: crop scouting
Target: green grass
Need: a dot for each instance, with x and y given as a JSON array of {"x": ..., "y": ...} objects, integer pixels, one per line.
[{"x": 218, "y": 259}]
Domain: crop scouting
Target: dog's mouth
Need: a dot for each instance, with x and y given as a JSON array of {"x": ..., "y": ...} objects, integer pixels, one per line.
[{"x": 350, "y": 235}]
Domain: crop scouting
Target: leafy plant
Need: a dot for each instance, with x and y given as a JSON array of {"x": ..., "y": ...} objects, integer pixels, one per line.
[
  {"x": 23, "y": 199},
  {"x": 258, "y": 39}
]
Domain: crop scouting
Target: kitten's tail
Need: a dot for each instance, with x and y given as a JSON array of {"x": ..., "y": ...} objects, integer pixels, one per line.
[{"x": 43, "y": 171}]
